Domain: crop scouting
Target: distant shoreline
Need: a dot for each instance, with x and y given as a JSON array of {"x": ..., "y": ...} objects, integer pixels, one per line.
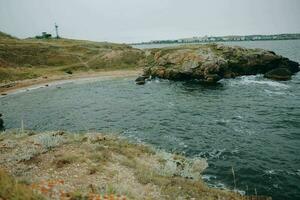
[
  {"x": 247, "y": 38},
  {"x": 183, "y": 43}
]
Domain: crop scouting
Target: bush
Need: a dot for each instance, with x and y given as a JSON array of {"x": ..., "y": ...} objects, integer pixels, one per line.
[
  {"x": 27, "y": 154},
  {"x": 48, "y": 141}
]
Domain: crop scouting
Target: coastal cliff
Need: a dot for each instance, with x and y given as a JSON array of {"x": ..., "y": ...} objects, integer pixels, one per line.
[{"x": 213, "y": 62}]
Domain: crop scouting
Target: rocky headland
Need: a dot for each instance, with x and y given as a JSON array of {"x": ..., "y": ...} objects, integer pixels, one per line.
[
  {"x": 213, "y": 62},
  {"x": 61, "y": 165}
]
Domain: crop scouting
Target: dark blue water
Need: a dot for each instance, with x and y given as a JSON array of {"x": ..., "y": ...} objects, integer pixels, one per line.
[{"x": 249, "y": 123}]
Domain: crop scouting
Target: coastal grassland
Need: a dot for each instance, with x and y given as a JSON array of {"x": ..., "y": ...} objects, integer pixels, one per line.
[
  {"x": 64, "y": 165},
  {"x": 31, "y": 58},
  {"x": 5, "y": 35}
]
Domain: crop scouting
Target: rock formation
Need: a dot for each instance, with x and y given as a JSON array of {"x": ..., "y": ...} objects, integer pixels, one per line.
[{"x": 213, "y": 62}]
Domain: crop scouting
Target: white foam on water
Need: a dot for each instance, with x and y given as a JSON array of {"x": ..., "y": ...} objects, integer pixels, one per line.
[
  {"x": 208, "y": 177},
  {"x": 235, "y": 151},
  {"x": 222, "y": 186},
  {"x": 218, "y": 185},
  {"x": 171, "y": 104},
  {"x": 216, "y": 153},
  {"x": 270, "y": 172},
  {"x": 293, "y": 173},
  {"x": 241, "y": 192},
  {"x": 271, "y": 93},
  {"x": 183, "y": 145},
  {"x": 238, "y": 117},
  {"x": 257, "y": 80}
]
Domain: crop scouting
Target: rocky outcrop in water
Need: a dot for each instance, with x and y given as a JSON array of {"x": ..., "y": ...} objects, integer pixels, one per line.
[
  {"x": 213, "y": 62},
  {"x": 279, "y": 74},
  {"x": 141, "y": 80}
]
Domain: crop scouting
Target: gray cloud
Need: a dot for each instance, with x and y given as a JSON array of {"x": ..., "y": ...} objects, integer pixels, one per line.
[{"x": 141, "y": 20}]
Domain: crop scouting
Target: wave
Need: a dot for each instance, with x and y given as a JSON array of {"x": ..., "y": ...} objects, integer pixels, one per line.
[
  {"x": 271, "y": 93},
  {"x": 208, "y": 177},
  {"x": 222, "y": 186},
  {"x": 214, "y": 154},
  {"x": 274, "y": 172},
  {"x": 257, "y": 80},
  {"x": 271, "y": 172},
  {"x": 218, "y": 153}
]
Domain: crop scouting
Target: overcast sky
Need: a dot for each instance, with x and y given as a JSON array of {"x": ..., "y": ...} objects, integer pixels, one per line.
[{"x": 144, "y": 20}]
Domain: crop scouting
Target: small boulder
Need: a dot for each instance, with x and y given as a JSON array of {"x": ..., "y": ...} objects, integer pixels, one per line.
[
  {"x": 141, "y": 80},
  {"x": 1, "y": 123},
  {"x": 212, "y": 78},
  {"x": 279, "y": 74}
]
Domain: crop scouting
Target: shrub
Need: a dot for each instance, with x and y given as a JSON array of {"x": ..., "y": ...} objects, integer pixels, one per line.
[
  {"x": 48, "y": 141},
  {"x": 27, "y": 154}
]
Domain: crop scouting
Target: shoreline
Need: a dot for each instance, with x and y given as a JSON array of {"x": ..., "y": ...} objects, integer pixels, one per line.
[
  {"x": 23, "y": 85},
  {"x": 61, "y": 164}
]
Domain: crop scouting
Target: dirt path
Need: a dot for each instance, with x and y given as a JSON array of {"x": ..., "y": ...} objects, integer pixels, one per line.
[{"x": 83, "y": 62}]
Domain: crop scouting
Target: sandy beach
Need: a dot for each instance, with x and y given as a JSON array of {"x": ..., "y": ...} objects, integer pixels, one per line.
[{"x": 11, "y": 87}]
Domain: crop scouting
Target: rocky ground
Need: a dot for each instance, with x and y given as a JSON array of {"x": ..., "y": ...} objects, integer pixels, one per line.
[
  {"x": 212, "y": 62},
  {"x": 59, "y": 165}
]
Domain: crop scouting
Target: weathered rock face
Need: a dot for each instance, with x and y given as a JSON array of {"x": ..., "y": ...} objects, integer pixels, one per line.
[
  {"x": 212, "y": 62},
  {"x": 281, "y": 74}
]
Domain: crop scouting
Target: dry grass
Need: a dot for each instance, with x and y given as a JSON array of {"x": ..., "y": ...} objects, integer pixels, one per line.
[
  {"x": 65, "y": 159},
  {"x": 31, "y": 58},
  {"x": 81, "y": 165},
  {"x": 12, "y": 190}
]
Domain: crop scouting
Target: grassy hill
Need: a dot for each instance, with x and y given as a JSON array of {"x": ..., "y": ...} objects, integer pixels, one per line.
[
  {"x": 31, "y": 58},
  {"x": 5, "y": 35}
]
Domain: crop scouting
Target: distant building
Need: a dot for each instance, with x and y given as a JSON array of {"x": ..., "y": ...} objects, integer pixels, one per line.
[
  {"x": 44, "y": 35},
  {"x": 257, "y": 38},
  {"x": 206, "y": 38}
]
